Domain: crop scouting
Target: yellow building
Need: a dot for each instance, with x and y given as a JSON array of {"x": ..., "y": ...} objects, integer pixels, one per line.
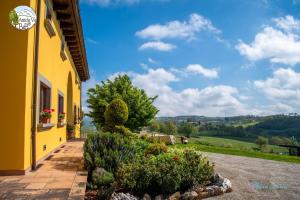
[{"x": 41, "y": 68}]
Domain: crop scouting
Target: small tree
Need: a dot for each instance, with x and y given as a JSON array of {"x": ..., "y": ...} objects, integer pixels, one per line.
[
  {"x": 169, "y": 128},
  {"x": 154, "y": 126},
  {"x": 261, "y": 141},
  {"x": 276, "y": 140},
  {"x": 116, "y": 115},
  {"x": 187, "y": 129},
  {"x": 141, "y": 110}
]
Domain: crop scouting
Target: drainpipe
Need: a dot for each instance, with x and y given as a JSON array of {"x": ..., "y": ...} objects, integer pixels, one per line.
[{"x": 35, "y": 85}]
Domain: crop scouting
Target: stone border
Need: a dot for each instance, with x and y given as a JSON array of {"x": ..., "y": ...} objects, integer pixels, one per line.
[{"x": 219, "y": 186}]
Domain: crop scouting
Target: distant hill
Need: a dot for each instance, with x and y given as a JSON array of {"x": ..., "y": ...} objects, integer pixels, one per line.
[
  {"x": 195, "y": 118},
  {"x": 245, "y": 126},
  {"x": 281, "y": 125}
]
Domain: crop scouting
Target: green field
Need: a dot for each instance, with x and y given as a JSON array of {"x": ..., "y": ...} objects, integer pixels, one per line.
[
  {"x": 236, "y": 144},
  {"x": 236, "y": 147}
]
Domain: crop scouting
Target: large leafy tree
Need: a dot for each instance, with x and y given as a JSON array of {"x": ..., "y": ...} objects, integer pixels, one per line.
[
  {"x": 140, "y": 107},
  {"x": 187, "y": 129}
]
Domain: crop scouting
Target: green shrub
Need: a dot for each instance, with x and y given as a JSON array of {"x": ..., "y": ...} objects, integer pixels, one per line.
[
  {"x": 101, "y": 177},
  {"x": 116, "y": 113},
  {"x": 197, "y": 169},
  {"x": 108, "y": 150},
  {"x": 165, "y": 173},
  {"x": 152, "y": 139},
  {"x": 122, "y": 130},
  {"x": 156, "y": 148}
]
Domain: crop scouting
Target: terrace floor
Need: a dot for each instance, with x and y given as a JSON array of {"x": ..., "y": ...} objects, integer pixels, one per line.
[{"x": 60, "y": 176}]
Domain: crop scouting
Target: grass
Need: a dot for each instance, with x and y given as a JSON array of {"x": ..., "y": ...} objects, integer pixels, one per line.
[
  {"x": 236, "y": 144},
  {"x": 234, "y": 147},
  {"x": 247, "y": 124}
]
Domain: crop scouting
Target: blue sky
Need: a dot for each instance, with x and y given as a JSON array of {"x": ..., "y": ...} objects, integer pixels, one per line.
[{"x": 201, "y": 57}]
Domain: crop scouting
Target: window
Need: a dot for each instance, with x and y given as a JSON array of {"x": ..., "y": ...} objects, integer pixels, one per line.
[
  {"x": 75, "y": 114},
  {"x": 45, "y": 98},
  {"x": 60, "y": 104},
  {"x": 48, "y": 19},
  {"x": 79, "y": 113}
]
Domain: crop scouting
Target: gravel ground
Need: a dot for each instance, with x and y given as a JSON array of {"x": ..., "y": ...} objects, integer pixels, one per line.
[{"x": 254, "y": 178}]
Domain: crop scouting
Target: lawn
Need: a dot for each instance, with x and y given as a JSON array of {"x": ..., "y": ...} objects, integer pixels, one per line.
[
  {"x": 236, "y": 144},
  {"x": 235, "y": 147}
]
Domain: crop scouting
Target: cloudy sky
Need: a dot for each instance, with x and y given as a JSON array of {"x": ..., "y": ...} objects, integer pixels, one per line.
[{"x": 201, "y": 57}]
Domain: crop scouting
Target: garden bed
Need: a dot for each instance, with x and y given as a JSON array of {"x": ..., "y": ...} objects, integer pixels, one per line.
[
  {"x": 129, "y": 167},
  {"x": 219, "y": 186}
]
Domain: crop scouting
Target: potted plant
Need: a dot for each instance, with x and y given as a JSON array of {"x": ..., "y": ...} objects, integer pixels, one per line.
[
  {"x": 70, "y": 131},
  {"x": 61, "y": 117},
  {"x": 46, "y": 115}
]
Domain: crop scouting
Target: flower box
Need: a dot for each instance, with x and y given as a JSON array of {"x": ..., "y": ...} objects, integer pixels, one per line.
[
  {"x": 60, "y": 124},
  {"x": 44, "y": 126}
]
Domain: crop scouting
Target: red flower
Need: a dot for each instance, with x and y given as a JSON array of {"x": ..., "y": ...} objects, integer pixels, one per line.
[{"x": 176, "y": 158}]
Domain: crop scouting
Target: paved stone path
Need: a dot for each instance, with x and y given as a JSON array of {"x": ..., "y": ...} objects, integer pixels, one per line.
[
  {"x": 58, "y": 177},
  {"x": 254, "y": 178}
]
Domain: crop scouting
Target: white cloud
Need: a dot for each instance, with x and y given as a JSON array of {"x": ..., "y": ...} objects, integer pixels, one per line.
[
  {"x": 92, "y": 41},
  {"x": 287, "y": 23},
  {"x": 199, "y": 69},
  {"x": 178, "y": 29},
  {"x": 279, "y": 45},
  {"x": 272, "y": 44},
  {"x": 210, "y": 101},
  {"x": 152, "y": 61},
  {"x": 144, "y": 66},
  {"x": 157, "y": 45},
  {"x": 283, "y": 88}
]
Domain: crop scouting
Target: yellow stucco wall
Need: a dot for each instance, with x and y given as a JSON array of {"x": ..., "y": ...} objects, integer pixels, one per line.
[
  {"x": 13, "y": 55},
  {"x": 17, "y": 82},
  {"x": 56, "y": 71}
]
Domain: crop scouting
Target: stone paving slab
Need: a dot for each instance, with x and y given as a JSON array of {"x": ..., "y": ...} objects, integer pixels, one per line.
[
  {"x": 59, "y": 177},
  {"x": 257, "y": 179}
]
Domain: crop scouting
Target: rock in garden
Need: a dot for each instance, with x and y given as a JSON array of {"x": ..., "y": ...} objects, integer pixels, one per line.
[
  {"x": 122, "y": 196},
  {"x": 159, "y": 197},
  {"x": 203, "y": 194},
  {"x": 189, "y": 195},
  {"x": 99, "y": 170},
  {"x": 223, "y": 183},
  {"x": 214, "y": 190},
  {"x": 175, "y": 196},
  {"x": 146, "y": 197}
]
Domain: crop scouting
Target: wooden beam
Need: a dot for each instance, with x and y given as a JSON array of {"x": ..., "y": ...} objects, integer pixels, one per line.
[
  {"x": 60, "y": 6},
  {"x": 72, "y": 44},
  {"x": 64, "y": 24},
  {"x": 63, "y": 16},
  {"x": 75, "y": 52},
  {"x": 73, "y": 48},
  {"x": 76, "y": 60},
  {"x": 70, "y": 38},
  {"x": 68, "y": 32}
]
